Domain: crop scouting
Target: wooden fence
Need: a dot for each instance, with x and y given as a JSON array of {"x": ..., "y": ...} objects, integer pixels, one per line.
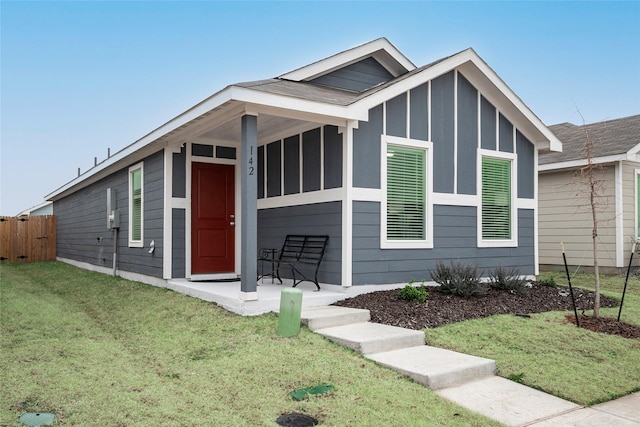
[{"x": 28, "y": 239}]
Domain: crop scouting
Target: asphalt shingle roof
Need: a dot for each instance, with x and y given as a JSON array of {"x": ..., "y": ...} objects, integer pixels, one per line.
[
  {"x": 321, "y": 93},
  {"x": 304, "y": 90},
  {"x": 609, "y": 138}
]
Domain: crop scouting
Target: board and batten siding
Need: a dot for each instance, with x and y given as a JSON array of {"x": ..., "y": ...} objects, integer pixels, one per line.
[
  {"x": 455, "y": 236},
  {"x": 564, "y": 214},
  {"x": 451, "y": 113},
  {"x": 81, "y": 228},
  {"x": 454, "y": 131},
  {"x": 320, "y": 219},
  {"x": 301, "y": 163}
]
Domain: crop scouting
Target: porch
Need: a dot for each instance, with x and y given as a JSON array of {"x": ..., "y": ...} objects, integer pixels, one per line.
[{"x": 228, "y": 294}]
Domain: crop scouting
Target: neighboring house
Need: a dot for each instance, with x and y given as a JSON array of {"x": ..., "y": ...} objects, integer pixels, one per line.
[
  {"x": 565, "y": 209},
  {"x": 401, "y": 166},
  {"x": 45, "y": 208}
]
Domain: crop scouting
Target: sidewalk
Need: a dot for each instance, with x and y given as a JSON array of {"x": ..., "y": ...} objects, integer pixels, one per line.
[{"x": 468, "y": 381}]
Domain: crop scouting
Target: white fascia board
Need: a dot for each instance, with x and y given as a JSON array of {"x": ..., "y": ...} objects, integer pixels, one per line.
[
  {"x": 467, "y": 56},
  {"x": 631, "y": 154},
  {"x": 362, "y": 107},
  {"x": 570, "y": 164},
  {"x": 350, "y": 56},
  {"x": 260, "y": 100},
  {"x": 554, "y": 144},
  {"x": 295, "y": 106},
  {"x": 173, "y": 124}
]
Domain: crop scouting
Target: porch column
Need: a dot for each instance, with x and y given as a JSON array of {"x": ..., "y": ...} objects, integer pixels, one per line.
[{"x": 249, "y": 208}]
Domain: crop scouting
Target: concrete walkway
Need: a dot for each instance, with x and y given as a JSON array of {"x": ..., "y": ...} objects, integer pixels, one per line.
[
  {"x": 227, "y": 294},
  {"x": 465, "y": 380},
  {"x": 468, "y": 381}
]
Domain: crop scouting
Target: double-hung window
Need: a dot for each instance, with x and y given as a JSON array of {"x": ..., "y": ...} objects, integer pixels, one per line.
[
  {"x": 136, "y": 205},
  {"x": 497, "y": 211},
  {"x": 406, "y": 208}
]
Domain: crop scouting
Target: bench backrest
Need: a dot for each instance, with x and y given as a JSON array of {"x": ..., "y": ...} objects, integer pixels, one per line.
[{"x": 303, "y": 248}]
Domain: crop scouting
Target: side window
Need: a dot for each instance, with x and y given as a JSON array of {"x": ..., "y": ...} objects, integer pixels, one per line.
[
  {"x": 136, "y": 204},
  {"x": 406, "y": 207},
  {"x": 497, "y": 217}
]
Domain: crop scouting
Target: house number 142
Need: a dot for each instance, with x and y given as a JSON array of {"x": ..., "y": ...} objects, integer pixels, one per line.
[{"x": 251, "y": 167}]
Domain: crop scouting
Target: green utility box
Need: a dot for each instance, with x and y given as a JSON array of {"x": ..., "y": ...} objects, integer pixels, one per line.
[{"x": 290, "y": 309}]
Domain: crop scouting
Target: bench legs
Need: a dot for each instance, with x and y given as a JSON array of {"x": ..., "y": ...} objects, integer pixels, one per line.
[
  {"x": 294, "y": 270},
  {"x": 272, "y": 273}
]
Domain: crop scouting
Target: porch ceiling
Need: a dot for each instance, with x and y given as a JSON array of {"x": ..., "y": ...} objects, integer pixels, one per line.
[{"x": 270, "y": 128}]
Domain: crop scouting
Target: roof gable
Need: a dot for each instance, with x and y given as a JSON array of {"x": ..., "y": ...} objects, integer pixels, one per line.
[
  {"x": 618, "y": 137},
  {"x": 381, "y": 50},
  {"x": 357, "y": 77},
  {"x": 301, "y": 96}
]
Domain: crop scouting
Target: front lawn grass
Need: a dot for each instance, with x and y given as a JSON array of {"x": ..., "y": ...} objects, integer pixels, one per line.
[
  {"x": 103, "y": 351},
  {"x": 547, "y": 353}
]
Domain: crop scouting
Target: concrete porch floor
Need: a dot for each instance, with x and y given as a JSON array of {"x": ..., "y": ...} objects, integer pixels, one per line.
[{"x": 227, "y": 294}]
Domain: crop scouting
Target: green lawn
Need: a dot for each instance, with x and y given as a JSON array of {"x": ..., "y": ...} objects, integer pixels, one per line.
[
  {"x": 547, "y": 353},
  {"x": 103, "y": 351}
]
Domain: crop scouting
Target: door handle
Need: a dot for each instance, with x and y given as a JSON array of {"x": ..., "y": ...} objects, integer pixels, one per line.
[{"x": 232, "y": 223}]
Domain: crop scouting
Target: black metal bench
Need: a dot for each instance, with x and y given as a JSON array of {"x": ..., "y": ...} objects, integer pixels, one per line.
[{"x": 297, "y": 252}]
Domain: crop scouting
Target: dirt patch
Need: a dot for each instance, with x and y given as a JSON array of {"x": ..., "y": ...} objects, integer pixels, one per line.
[{"x": 442, "y": 309}]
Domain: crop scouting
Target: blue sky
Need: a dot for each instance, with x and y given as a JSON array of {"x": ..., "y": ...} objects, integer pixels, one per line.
[{"x": 80, "y": 77}]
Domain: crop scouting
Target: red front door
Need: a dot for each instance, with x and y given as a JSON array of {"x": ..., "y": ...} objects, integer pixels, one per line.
[{"x": 212, "y": 218}]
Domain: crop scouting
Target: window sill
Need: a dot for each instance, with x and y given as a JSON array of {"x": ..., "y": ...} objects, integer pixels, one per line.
[{"x": 406, "y": 244}]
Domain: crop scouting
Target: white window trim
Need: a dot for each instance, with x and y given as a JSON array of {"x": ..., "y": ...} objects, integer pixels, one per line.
[
  {"x": 427, "y": 243},
  {"x": 504, "y": 243},
  {"x": 136, "y": 243},
  {"x": 636, "y": 172}
]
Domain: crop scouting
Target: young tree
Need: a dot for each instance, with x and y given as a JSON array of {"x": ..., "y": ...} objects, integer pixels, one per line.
[{"x": 589, "y": 175}]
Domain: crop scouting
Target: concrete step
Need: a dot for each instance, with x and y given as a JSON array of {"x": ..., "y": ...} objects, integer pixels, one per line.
[
  {"x": 511, "y": 403},
  {"x": 369, "y": 337},
  {"x": 436, "y": 367},
  {"x": 330, "y": 316}
]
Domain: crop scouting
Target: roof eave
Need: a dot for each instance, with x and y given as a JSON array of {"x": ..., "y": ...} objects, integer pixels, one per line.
[
  {"x": 254, "y": 101},
  {"x": 572, "y": 164}
]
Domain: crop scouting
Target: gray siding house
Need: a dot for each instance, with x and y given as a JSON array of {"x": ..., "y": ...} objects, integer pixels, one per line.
[
  {"x": 565, "y": 210},
  {"x": 400, "y": 165}
]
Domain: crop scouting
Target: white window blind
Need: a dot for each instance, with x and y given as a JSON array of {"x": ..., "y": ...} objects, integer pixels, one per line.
[
  {"x": 406, "y": 208},
  {"x": 135, "y": 224},
  {"x": 496, "y": 199}
]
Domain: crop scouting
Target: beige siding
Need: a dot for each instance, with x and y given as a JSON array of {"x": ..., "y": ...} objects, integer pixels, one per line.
[
  {"x": 565, "y": 215},
  {"x": 629, "y": 232}
]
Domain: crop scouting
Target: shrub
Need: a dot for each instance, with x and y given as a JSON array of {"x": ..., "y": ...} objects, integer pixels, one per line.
[
  {"x": 412, "y": 293},
  {"x": 459, "y": 279},
  {"x": 550, "y": 281},
  {"x": 507, "y": 279}
]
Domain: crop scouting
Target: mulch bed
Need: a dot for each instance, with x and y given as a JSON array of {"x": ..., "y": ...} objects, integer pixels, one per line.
[
  {"x": 606, "y": 325},
  {"x": 442, "y": 309}
]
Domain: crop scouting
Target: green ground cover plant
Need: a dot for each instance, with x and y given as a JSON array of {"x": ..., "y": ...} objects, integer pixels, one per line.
[
  {"x": 103, "y": 351},
  {"x": 413, "y": 293},
  {"x": 546, "y": 352}
]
